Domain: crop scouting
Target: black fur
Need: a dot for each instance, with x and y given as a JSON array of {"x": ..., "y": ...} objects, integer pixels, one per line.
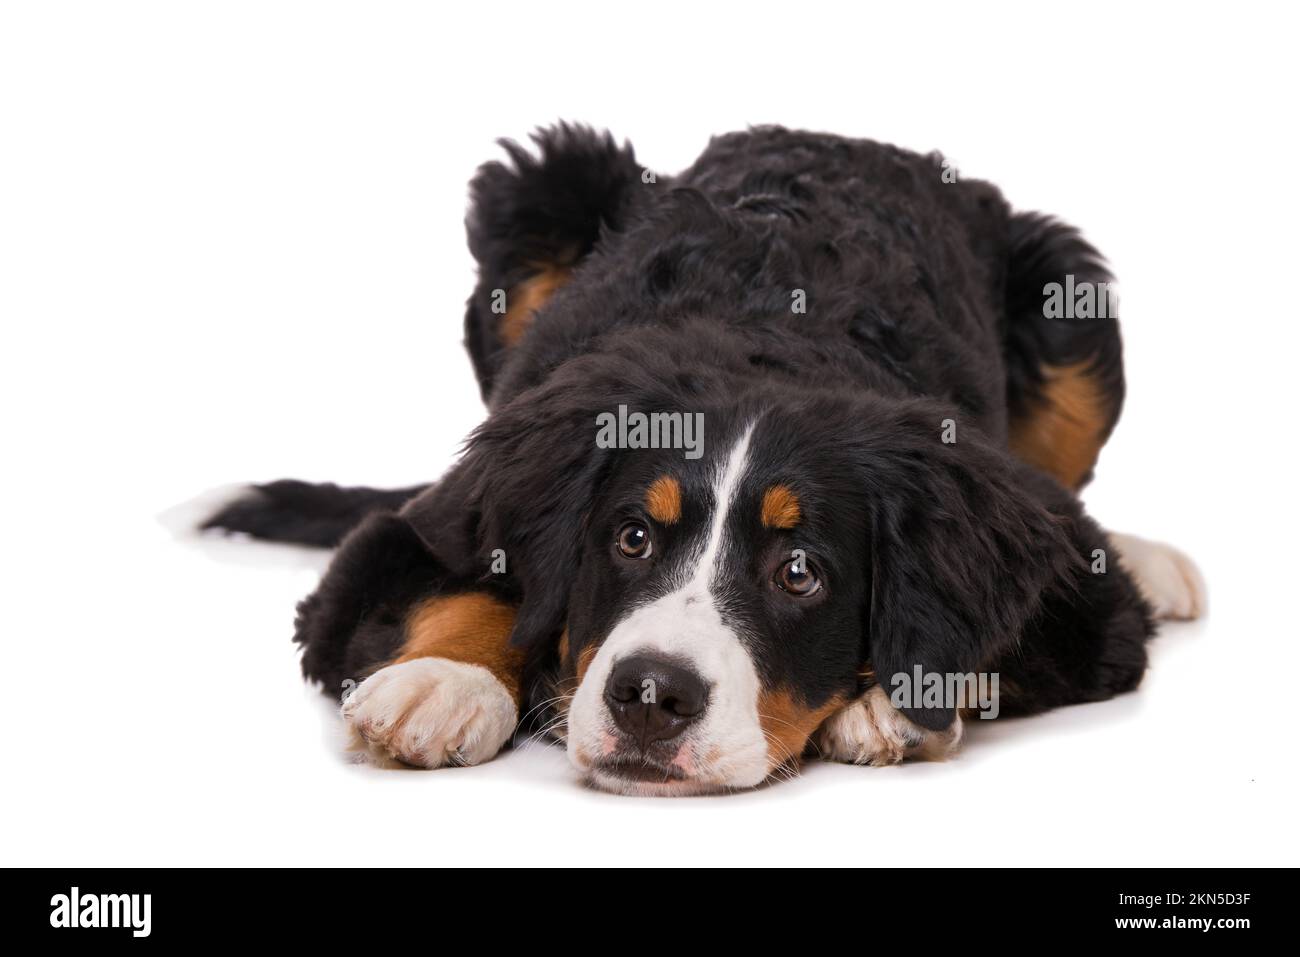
[
  {"x": 923, "y": 305},
  {"x": 305, "y": 514},
  {"x": 544, "y": 210}
]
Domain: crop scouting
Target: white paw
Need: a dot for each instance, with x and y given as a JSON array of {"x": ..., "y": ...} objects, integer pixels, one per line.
[
  {"x": 1168, "y": 579},
  {"x": 432, "y": 712},
  {"x": 872, "y": 731}
]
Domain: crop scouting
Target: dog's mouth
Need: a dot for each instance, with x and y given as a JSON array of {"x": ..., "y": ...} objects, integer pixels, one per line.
[
  {"x": 644, "y": 770},
  {"x": 646, "y": 776}
]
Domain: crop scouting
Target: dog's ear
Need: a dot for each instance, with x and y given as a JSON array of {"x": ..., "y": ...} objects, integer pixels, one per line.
[
  {"x": 963, "y": 548},
  {"x": 531, "y": 221},
  {"x": 512, "y": 512},
  {"x": 525, "y": 485}
]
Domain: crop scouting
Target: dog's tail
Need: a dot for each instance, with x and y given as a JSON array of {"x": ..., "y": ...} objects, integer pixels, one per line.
[
  {"x": 1064, "y": 356},
  {"x": 302, "y": 513}
]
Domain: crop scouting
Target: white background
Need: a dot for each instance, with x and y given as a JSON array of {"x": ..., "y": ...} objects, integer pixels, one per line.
[{"x": 231, "y": 249}]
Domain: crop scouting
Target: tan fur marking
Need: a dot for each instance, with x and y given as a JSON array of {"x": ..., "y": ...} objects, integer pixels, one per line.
[
  {"x": 780, "y": 507},
  {"x": 663, "y": 500},
  {"x": 473, "y": 628},
  {"x": 523, "y": 301},
  {"x": 1065, "y": 433},
  {"x": 788, "y": 724},
  {"x": 564, "y": 685}
]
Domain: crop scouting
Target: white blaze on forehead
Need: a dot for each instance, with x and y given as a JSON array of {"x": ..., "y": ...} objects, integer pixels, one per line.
[
  {"x": 726, "y": 484},
  {"x": 726, "y": 745}
]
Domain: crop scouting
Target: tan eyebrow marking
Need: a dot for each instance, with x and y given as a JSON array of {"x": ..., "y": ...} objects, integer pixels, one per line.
[
  {"x": 780, "y": 507},
  {"x": 663, "y": 499}
]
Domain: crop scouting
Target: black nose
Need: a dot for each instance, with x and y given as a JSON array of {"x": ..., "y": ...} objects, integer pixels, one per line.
[{"x": 654, "y": 699}]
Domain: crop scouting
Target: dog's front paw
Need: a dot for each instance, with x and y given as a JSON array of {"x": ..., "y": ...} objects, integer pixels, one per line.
[
  {"x": 872, "y": 731},
  {"x": 1169, "y": 580},
  {"x": 431, "y": 712}
]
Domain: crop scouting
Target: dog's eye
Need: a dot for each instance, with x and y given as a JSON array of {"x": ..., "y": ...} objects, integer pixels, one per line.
[
  {"x": 634, "y": 541},
  {"x": 798, "y": 578}
]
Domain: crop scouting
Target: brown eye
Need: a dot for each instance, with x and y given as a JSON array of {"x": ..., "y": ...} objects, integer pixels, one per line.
[
  {"x": 797, "y": 578},
  {"x": 634, "y": 541}
]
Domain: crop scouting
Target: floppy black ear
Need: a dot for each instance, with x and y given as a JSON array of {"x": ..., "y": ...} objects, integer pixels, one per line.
[
  {"x": 963, "y": 550},
  {"x": 525, "y": 484},
  {"x": 531, "y": 221}
]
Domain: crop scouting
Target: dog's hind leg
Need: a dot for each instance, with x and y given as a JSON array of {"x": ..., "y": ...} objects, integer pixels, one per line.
[{"x": 1169, "y": 581}]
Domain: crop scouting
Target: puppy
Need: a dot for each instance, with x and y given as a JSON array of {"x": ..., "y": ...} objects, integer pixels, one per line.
[{"x": 781, "y": 452}]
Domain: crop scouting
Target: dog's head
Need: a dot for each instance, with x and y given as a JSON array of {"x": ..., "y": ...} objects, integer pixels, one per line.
[{"x": 712, "y": 605}]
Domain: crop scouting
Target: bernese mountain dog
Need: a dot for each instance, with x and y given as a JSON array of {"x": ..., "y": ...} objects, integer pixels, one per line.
[{"x": 776, "y": 448}]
